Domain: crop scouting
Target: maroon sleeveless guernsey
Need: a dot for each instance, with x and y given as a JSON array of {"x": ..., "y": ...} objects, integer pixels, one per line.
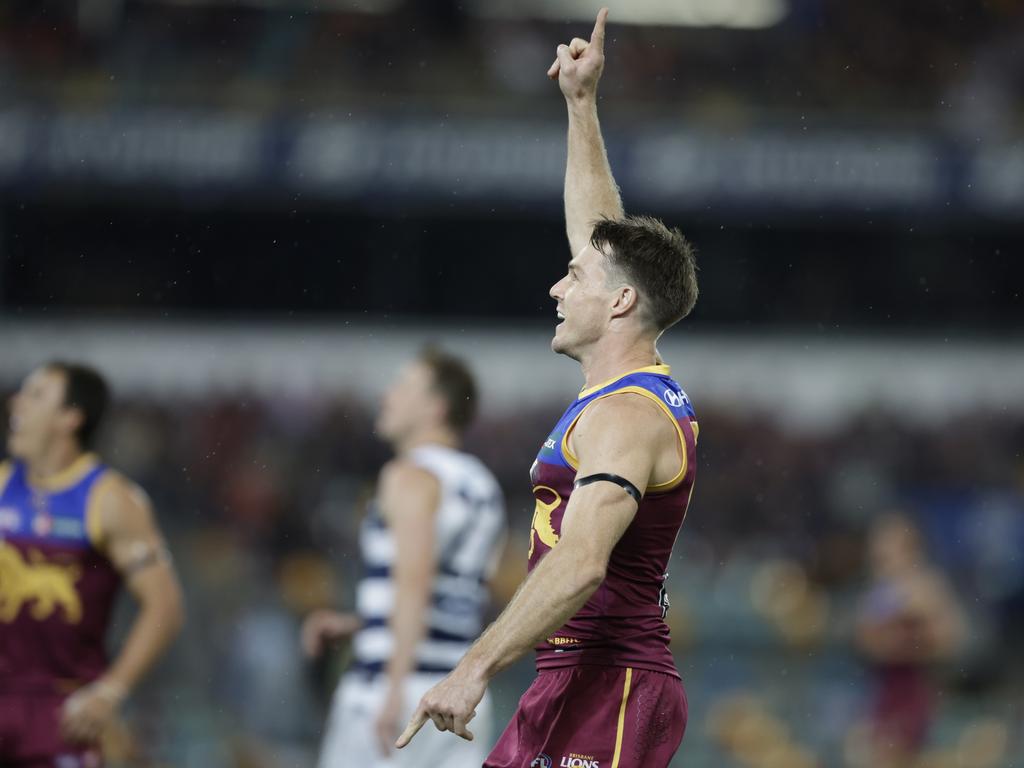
[
  {"x": 623, "y": 622},
  {"x": 56, "y": 588}
]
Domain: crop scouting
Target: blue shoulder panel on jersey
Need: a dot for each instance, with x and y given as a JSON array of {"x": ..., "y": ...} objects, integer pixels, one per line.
[
  {"x": 658, "y": 383},
  {"x": 57, "y": 515}
]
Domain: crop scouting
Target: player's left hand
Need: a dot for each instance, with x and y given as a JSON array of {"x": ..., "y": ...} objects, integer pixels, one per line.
[
  {"x": 577, "y": 66},
  {"x": 88, "y": 711},
  {"x": 451, "y": 704},
  {"x": 388, "y": 719}
]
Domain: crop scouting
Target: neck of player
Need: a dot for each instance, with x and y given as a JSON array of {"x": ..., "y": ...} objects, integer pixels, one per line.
[
  {"x": 53, "y": 461},
  {"x": 612, "y": 361},
  {"x": 443, "y": 436}
]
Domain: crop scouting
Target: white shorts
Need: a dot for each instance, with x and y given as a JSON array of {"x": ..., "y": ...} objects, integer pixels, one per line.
[{"x": 351, "y": 741}]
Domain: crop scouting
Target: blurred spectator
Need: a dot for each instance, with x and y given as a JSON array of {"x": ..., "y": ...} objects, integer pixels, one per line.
[
  {"x": 848, "y": 57},
  {"x": 909, "y": 622}
]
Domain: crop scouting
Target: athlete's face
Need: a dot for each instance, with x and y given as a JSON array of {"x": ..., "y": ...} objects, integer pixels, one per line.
[
  {"x": 410, "y": 404},
  {"x": 584, "y": 302},
  {"x": 38, "y": 415}
]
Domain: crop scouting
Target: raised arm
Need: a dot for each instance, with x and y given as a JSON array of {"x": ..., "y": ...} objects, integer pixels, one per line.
[{"x": 590, "y": 189}]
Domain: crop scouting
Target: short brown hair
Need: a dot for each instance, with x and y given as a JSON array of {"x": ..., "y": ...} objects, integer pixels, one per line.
[
  {"x": 659, "y": 260},
  {"x": 454, "y": 382},
  {"x": 87, "y": 390}
]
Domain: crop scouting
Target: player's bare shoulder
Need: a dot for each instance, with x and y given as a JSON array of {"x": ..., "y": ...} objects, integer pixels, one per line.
[
  {"x": 401, "y": 481},
  {"x": 630, "y": 423},
  {"x": 120, "y": 500},
  {"x": 122, "y": 521},
  {"x": 402, "y": 474},
  {"x": 627, "y": 417}
]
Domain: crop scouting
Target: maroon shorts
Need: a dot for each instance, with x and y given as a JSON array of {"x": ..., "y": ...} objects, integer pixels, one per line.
[
  {"x": 30, "y": 735},
  {"x": 594, "y": 717}
]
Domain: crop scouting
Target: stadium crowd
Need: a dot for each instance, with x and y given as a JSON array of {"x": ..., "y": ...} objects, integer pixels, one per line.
[{"x": 940, "y": 60}]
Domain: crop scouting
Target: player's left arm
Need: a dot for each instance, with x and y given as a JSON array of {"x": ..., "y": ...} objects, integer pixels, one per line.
[
  {"x": 623, "y": 435},
  {"x": 130, "y": 538},
  {"x": 409, "y": 498}
]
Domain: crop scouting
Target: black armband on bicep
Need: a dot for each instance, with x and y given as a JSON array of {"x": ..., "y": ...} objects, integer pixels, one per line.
[
  {"x": 143, "y": 558},
  {"x": 622, "y": 482}
]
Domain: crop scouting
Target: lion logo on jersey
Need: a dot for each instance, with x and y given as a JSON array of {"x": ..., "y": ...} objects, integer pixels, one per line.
[
  {"x": 45, "y": 584},
  {"x": 542, "y": 528}
]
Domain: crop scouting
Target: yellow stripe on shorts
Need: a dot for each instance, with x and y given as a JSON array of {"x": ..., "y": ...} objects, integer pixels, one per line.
[{"x": 622, "y": 718}]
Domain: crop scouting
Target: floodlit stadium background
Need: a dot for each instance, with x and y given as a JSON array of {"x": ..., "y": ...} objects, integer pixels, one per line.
[{"x": 248, "y": 213}]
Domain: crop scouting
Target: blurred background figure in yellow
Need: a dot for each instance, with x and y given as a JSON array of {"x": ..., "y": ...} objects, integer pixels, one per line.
[{"x": 909, "y": 623}]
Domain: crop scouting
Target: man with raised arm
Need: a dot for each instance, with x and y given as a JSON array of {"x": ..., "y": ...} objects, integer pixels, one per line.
[{"x": 611, "y": 482}]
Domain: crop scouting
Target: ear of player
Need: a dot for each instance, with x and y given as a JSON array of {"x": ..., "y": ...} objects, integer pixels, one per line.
[{"x": 579, "y": 48}]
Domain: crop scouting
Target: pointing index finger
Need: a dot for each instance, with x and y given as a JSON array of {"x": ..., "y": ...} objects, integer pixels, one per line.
[
  {"x": 412, "y": 728},
  {"x": 597, "y": 36}
]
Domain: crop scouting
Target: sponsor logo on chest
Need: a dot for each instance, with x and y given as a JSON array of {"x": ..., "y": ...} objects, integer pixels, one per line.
[
  {"x": 675, "y": 399},
  {"x": 68, "y": 527},
  {"x": 43, "y": 524},
  {"x": 10, "y": 519}
]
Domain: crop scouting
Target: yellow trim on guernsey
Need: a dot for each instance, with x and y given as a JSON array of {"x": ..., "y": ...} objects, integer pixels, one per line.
[
  {"x": 6, "y": 470},
  {"x": 574, "y": 462},
  {"x": 622, "y": 718},
  {"x": 70, "y": 475},
  {"x": 93, "y": 518},
  {"x": 662, "y": 370}
]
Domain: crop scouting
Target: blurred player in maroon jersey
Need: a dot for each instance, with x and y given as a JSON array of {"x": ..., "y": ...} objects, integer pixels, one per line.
[
  {"x": 611, "y": 483},
  {"x": 909, "y": 621},
  {"x": 71, "y": 531}
]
